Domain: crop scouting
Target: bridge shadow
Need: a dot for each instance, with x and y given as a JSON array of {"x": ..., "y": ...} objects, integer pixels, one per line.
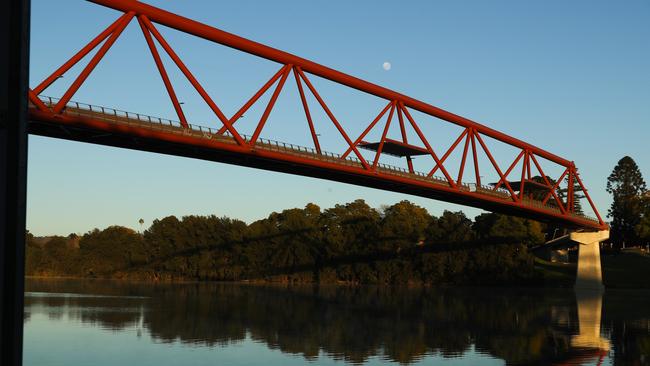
[{"x": 383, "y": 249}]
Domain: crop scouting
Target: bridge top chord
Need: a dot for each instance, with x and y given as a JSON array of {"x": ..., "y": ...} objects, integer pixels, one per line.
[{"x": 535, "y": 195}]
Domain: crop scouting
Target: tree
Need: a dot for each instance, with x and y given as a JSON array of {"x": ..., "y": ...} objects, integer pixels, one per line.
[
  {"x": 508, "y": 229},
  {"x": 626, "y": 185},
  {"x": 642, "y": 229},
  {"x": 563, "y": 193},
  {"x": 451, "y": 227},
  {"x": 403, "y": 225},
  {"x": 350, "y": 228},
  {"x": 112, "y": 249}
]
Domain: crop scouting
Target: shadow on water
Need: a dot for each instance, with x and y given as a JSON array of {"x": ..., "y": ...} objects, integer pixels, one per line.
[{"x": 356, "y": 323}]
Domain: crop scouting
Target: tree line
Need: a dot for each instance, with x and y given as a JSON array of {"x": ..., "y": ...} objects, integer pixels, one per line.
[{"x": 348, "y": 243}]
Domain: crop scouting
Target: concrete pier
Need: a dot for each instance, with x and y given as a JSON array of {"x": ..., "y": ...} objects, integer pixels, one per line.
[{"x": 589, "y": 275}]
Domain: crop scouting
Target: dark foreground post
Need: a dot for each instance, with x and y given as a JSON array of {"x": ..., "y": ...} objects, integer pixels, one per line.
[{"x": 14, "y": 67}]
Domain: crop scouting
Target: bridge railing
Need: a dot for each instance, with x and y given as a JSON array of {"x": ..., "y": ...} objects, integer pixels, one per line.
[
  {"x": 146, "y": 121},
  {"x": 477, "y": 139}
]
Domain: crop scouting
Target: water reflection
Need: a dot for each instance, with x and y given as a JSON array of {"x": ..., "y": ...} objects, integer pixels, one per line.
[{"x": 359, "y": 324}]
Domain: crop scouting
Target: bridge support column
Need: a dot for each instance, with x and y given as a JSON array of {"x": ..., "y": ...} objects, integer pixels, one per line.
[
  {"x": 14, "y": 66},
  {"x": 589, "y": 275}
]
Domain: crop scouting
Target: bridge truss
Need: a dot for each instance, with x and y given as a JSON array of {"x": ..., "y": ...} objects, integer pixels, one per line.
[{"x": 532, "y": 193}]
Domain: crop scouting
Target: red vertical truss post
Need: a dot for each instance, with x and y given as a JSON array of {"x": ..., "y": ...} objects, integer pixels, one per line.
[
  {"x": 512, "y": 166},
  {"x": 303, "y": 66},
  {"x": 426, "y": 144},
  {"x": 305, "y": 107},
  {"x": 557, "y": 184},
  {"x": 213, "y": 34},
  {"x": 464, "y": 158},
  {"x": 172, "y": 54},
  {"x": 548, "y": 183},
  {"x": 474, "y": 154},
  {"x": 93, "y": 62},
  {"x": 332, "y": 118},
  {"x": 383, "y": 136},
  {"x": 253, "y": 99},
  {"x": 409, "y": 160},
  {"x": 37, "y": 102},
  {"x": 365, "y": 132},
  {"x": 495, "y": 165},
  {"x": 528, "y": 175},
  {"x": 591, "y": 203},
  {"x": 449, "y": 151},
  {"x": 523, "y": 175},
  {"x": 269, "y": 106},
  {"x": 570, "y": 190},
  {"x": 78, "y": 56},
  {"x": 163, "y": 73}
]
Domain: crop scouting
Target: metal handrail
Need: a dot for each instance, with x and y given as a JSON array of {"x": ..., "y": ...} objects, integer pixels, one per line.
[{"x": 114, "y": 115}]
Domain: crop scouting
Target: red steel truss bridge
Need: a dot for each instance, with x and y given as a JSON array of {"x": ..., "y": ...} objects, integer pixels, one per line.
[{"x": 519, "y": 187}]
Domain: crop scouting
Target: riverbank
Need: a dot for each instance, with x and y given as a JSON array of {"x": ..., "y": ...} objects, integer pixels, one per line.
[{"x": 624, "y": 270}]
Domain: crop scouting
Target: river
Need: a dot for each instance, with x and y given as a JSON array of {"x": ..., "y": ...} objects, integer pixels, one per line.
[{"x": 101, "y": 322}]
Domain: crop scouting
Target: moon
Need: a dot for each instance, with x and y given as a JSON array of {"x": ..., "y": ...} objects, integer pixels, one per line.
[{"x": 386, "y": 65}]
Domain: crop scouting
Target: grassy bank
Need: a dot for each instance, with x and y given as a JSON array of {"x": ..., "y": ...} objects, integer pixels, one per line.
[{"x": 628, "y": 269}]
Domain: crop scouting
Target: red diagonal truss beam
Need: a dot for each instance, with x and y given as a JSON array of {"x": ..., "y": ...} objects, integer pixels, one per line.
[
  {"x": 555, "y": 186},
  {"x": 331, "y": 116},
  {"x": 584, "y": 190},
  {"x": 79, "y": 55},
  {"x": 383, "y": 136},
  {"x": 449, "y": 151},
  {"x": 254, "y": 99},
  {"x": 464, "y": 158},
  {"x": 195, "y": 83},
  {"x": 426, "y": 143},
  {"x": 512, "y": 166},
  {"x": 305, "y": 107},
  {"x": 548, "y": 183},
  {"x": 496, "y": 166},
  {"x": 163, "y": 73},
  {"x": 398, "y": 104},
  {"x": 269, "y": 106},
  {"x": 368, "y": 129},
  {"x": 216, "y": 35},
  {"x": 93, "y": 62}
]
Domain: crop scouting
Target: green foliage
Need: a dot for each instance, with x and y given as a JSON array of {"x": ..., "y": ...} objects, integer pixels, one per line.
[
  {"x": 626, "y": 185},
  {"x": 350, "y": 243},
  {"x": 451, "y": 227},
  {"x": 110, "y": 250},
  {"x": 642, "y": 229},
  {"x": 403, "y": 226},
  {"x": 508, "y": 229}
]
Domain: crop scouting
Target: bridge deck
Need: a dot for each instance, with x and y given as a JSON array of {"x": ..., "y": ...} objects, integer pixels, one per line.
[{"x": 96, "y": 124}]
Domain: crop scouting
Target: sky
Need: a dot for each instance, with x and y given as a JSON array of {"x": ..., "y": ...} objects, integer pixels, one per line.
[{"x": 570, "y": 77}]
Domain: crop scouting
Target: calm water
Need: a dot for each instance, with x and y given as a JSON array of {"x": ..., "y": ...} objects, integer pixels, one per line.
[{"x": 111, "y": 323}]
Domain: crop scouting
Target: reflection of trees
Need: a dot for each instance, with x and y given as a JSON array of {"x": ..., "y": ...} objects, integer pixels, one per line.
[
  {"x": 116, "y": 308},
  {"x": 627, "y": 322},
  {"x": 355, "y": 323},
  {"x": 348, "y": 323}
]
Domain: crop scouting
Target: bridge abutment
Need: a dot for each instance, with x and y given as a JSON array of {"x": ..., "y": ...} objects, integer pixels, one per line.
[{"x": 589, "y": 274}]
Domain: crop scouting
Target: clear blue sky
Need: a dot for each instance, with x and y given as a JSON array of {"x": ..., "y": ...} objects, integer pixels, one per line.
[{"x": 570, "y": 77}]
